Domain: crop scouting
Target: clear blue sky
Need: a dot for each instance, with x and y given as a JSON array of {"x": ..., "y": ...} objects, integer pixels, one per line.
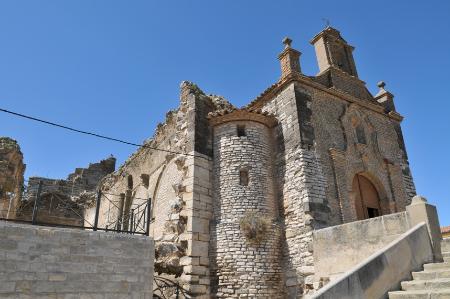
[{"x": 114, "y": 67}]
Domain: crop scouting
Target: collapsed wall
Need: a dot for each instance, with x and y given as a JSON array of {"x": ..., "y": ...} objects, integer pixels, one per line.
[
  {"x": 64, "y": 201},
  {"x": 179, "y": 186},
  {"x": 11, "y": 176}
]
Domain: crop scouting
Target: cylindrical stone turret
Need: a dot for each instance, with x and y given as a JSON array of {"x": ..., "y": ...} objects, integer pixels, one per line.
[{"x": 246, "y": 250}]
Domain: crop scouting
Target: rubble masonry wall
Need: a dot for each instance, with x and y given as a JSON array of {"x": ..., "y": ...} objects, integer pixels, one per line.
[{"x": 254, "y": 268}]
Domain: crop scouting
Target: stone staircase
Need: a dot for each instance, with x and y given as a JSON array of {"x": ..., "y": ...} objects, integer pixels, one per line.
[{"x": 432, "y": 283}]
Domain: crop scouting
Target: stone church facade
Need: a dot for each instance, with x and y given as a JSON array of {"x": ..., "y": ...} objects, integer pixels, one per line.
[{"x": 234, "y": 216}]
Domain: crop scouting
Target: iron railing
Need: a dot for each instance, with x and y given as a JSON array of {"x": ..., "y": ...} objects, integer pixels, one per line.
[
  {"x": 122, "y": 213},
  {"x": 165, "y": 288}
]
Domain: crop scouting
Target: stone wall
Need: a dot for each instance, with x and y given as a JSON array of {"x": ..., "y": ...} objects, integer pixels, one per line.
[
  {"x": 320, "y": 177},
  {"x": 11, "y": 177},
  {"x": 365, "y": 259},
  {"x": 342, "y": 156},
  {"x": 44, "y": 262},
  {"x": 385, "y": 269},
  {"x": 179, "y": 186},
  {"x": 82, "y": 180},
  {"x": 300, "y": 186},
  {"x": 339, "y": 248},
  {"x": 246, "y": 244},
  {"x": 330, "y": 129}
]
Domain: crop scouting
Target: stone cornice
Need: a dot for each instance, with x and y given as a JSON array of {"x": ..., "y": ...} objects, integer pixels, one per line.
[
  {"x": 333, "y": 33},
  {"x": 224, "y": 116},
  {"x": 287, "y": 51},
  {"x": 273, "y": 90},
  {"x": 396, "y": 116},
  {"x": 384, "y": 94}
]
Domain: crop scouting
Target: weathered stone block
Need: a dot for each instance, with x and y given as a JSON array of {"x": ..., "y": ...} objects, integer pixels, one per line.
[
  {"x": 198, "y": 248},
  {"x": 198, "y": 225}
]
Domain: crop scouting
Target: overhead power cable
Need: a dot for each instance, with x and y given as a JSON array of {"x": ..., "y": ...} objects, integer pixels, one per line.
[{"x": 94, "y": 134}]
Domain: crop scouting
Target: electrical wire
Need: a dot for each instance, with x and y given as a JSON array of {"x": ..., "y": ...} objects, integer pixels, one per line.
[{"x": 96, "y": 135}]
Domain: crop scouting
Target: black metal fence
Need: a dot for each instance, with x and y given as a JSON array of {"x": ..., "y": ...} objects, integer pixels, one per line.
[
  {"x": 101, "y": 211},
  {"x": 165, "y": 288},
  {"x": 124, "y": 213}
]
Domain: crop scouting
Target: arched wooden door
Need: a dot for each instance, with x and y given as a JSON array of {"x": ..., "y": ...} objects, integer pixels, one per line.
[{"x": 367, "y": 201}]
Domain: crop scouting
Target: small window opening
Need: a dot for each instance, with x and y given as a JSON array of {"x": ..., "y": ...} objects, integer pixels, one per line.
[
  {"x": 241, "y": 131},
  {"x": 130, "y": 182},
  {"x": 243, "y": 177},
  {"x": 373, "y": 212},
  {"x": 145, "y": 179},
  {"x": 360, "y": 135}
]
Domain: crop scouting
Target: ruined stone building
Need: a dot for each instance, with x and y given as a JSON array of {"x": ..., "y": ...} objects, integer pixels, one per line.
[
  {"x": 62, "y": 202},
  {"x": 11, "y": 176},
  {"x": 234, "y": 216},
  {"x": 65, "y": 201}
]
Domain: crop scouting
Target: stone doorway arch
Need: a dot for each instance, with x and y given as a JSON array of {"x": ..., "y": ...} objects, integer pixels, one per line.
[{"x": 367, "y": 198}]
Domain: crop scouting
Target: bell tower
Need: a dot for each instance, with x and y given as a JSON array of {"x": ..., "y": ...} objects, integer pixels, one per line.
[{"x": 332, "y": 51}]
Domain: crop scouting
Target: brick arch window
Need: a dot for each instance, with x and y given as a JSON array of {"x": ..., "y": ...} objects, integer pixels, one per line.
[{"x": 243, "y": 177}]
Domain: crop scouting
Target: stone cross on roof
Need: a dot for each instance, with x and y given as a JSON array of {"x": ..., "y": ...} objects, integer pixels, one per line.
[{"x": 287, "y": 42}]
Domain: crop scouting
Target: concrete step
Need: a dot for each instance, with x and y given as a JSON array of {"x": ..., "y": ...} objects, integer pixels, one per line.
[
  {"x": 427, "y": 294},
  {"x": 428, "y": 275},
  {"x": 435, "y": 284},
  {"x": 434, "y": 266}
]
